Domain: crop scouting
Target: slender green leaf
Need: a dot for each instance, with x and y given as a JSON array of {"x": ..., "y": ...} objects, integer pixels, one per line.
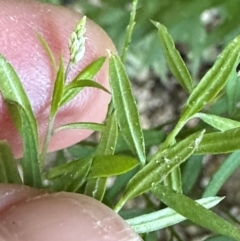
[
  {"x": 126, "y": 109},
  {"x": 106, "y": 146},
  {"x": 156, "y": 170},
  {"x": 48, "y": 50},
  {"x": 232, "y": 93},
  {"x": 81, "y": 125},
  {"x": 229, "y": 166},
  {"x": 58, "y": 89},
  {"x": 220, "y": 142},
  {"x": 87, "y": 73},
  {"x": 195, "y": 212},
  {"x": 22, "y": 115},
  {"x": 12, "y": 90},
  {"x": 220, "y": 123},
  {"x": 165, "y": 217},
  {"x": 109, "y": 165},
  {"x": 73, "y": 181},
  {"x": 174, "y": 59},
  {"x": 84, "y": 83},
  {"x": 69, "y": 177},
  {"x": 66, "y": 168},
  {"x": 30, "y": 159},
  {"x": 190, "y": 172},
  {"x": 8, "y": 166},
  {"x": 215, "y": 79}
]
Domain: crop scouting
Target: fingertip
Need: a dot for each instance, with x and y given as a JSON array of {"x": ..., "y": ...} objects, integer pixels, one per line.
[{"x": 63, "y": 217}]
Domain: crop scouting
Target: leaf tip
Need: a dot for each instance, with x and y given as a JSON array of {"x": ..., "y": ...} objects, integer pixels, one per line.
[{"x": 156, "y": 24}]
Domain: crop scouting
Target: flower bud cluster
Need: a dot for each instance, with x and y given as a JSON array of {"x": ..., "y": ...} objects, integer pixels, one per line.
[{"x": 77, "y": 41}]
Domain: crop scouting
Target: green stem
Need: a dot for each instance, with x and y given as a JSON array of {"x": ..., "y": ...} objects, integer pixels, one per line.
[
  {"x": 174, "y": 178},
  {"x": 129, "y": 30},
  {"x": 46, "y": 142}
]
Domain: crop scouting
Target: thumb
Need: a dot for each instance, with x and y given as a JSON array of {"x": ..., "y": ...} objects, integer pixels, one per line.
[
  {"x": 20, "y": 20},
  {"x": 30, "y": 214}
]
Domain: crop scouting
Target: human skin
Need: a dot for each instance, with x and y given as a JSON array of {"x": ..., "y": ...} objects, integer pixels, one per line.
[
  {"x": 20, "y": 21},
  {"x": 28, "y": 214}
]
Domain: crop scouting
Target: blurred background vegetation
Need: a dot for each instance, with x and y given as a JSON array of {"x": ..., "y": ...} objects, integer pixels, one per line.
[{"x": 196, "y": 24}]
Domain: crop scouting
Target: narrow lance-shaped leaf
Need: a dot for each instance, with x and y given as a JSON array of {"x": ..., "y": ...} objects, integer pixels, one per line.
[
  {"x": 22, "y": 115},
  {"x": 220, "y": 142},
  {"x": 126, "y": 109},
  {"x": 30, "y": 159},
  {"x": 85, "y": 83},
  {"x": 109, "y": 165},
  {"x": 70, "y": 176},
  {"x": 174, "y": 59},
  {"x": 65, "y": 168},
  {"x": 220, "y": 123},
  {"x": 12, "y": 90},
  {"x": 165, "y": 217},
  {"x": 87, "y": 73},
  {"x": 156, "y": 170},
  {"x": 48, "y": 50},
  {"x": 106, "y": 146},
  {"x": 81, "y": 125},
  {"x": 228, "y": 167},
  {"x": 195, "y": 212},
  {"x": 214, "y": 80},
  {"x": 58, "y": 89},
  {"x": 232, "y": 93},
  {"x": 8, "y": 167}
]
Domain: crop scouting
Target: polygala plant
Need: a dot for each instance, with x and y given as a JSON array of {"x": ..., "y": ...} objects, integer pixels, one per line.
[{"x": 123, "y": 149}]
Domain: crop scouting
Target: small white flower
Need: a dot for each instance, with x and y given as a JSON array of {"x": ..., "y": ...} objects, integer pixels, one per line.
[{"x": 76, "y": 42}]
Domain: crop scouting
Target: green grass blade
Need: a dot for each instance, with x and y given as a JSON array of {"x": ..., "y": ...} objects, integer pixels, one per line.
[
  {"x": 126, "y": 109},
  {"x": 156, "y": 170},
  {"x": 174, "y": 59},
  {"x": 81, "y": 125},
  {"x": 228, "y": 167},
  {"x": 215, "y": 79},
  {"x": 109, "y": 165},
  {"x": 8, "y": 166},
  {"x": 107, "y": 144},
  {"x": 165, "y": 217},
  {"x": 220, "y": 123},
  {"x": 220, "y": 142},
  {"x": 58, "y": 89},
  {"x": 87, "y": 73},
  {"x": 195, "y": 212}
]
